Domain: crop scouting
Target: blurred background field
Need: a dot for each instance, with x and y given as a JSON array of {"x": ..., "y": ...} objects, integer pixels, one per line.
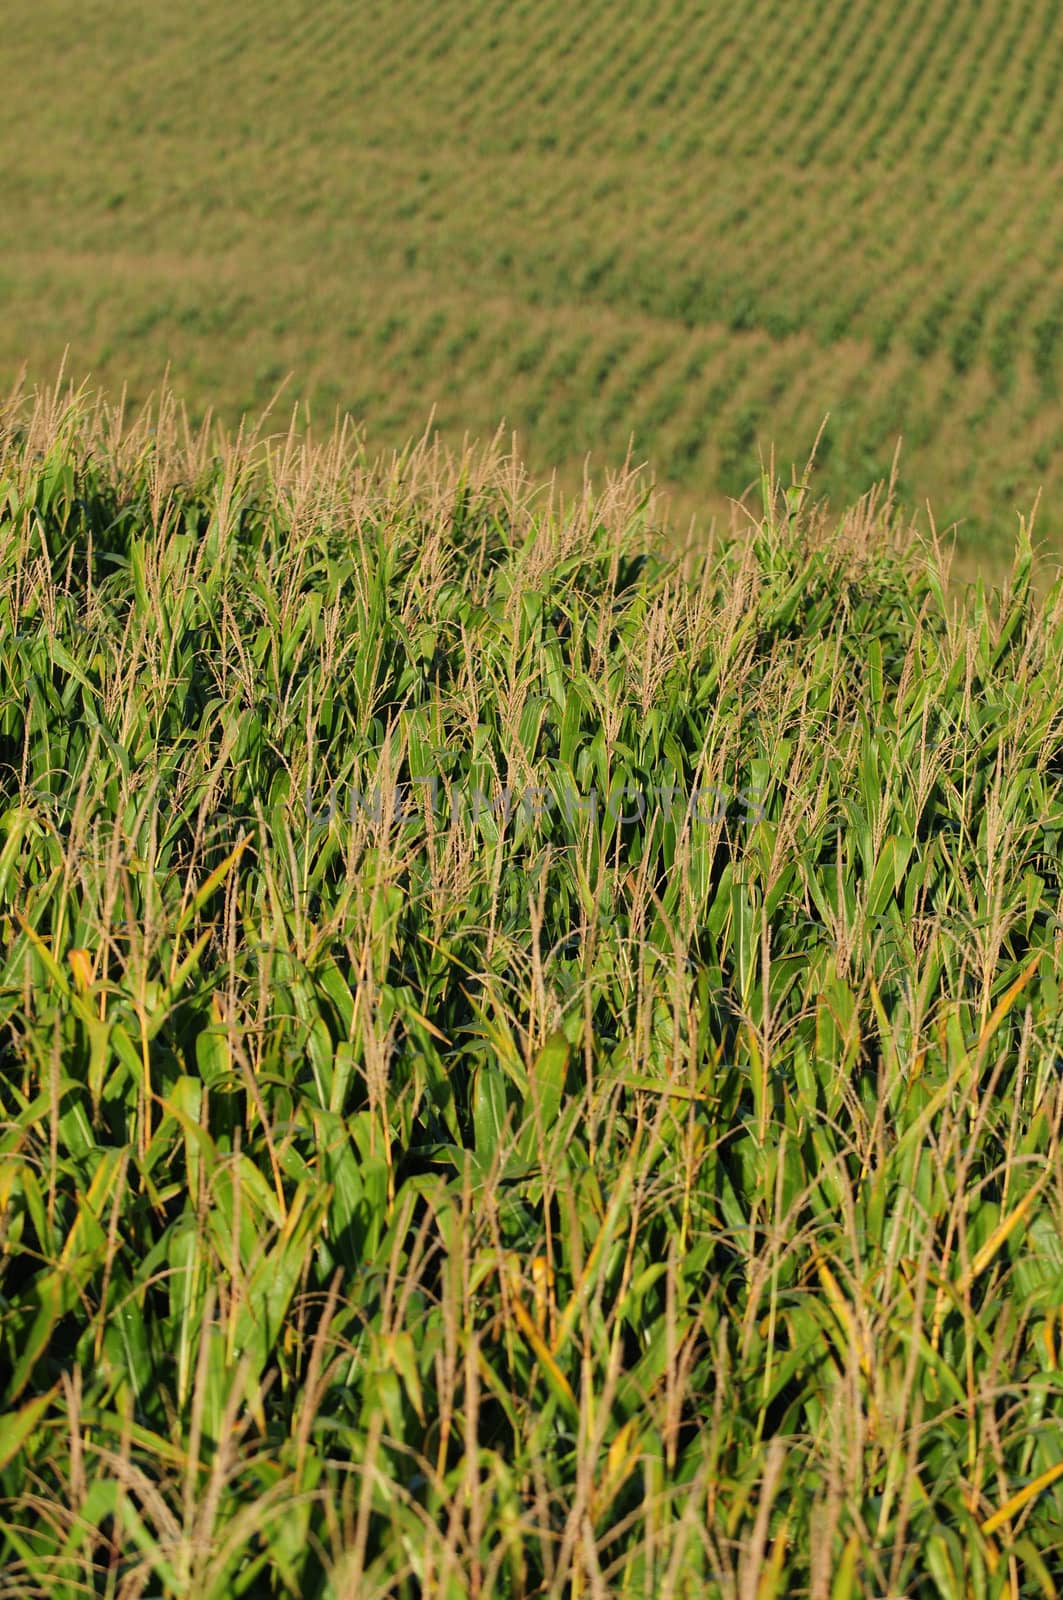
[{"x": 700, "y": 227}]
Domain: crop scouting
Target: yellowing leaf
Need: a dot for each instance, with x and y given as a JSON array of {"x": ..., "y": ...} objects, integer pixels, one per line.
[
  {"x": 1022, "y": 1498},
  {"x": 620, "y": 1462},
  {"x": 83, "y": 968},
  {"x": 16, "y": 1426},
  {"x": 1007, "y": 1000}
]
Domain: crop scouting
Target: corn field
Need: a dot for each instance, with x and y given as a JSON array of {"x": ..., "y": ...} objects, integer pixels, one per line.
[
  {"x": 705, "y": 225},
  {"x": 530, "y": 1063}
]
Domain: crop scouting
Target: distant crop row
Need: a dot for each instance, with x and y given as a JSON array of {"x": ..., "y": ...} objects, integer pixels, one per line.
[{"x": 545, "y": 213}]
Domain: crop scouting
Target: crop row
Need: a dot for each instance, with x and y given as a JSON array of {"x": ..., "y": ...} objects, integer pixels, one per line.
[{"x": 331, "y": 193}]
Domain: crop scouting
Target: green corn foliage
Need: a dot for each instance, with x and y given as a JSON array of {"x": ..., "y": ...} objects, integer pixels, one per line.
[{"x": 529, "y": 1067}]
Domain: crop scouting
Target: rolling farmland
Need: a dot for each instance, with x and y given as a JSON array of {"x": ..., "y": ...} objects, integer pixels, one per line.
[
  {"x": 530, "y": 1043},
  {"x": 703, "y": 226}
]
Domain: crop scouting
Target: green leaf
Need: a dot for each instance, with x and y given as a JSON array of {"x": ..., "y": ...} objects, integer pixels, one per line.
[
  {"x": 17, "y": 1426},
  {"x": 489, "y": 1110}
]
